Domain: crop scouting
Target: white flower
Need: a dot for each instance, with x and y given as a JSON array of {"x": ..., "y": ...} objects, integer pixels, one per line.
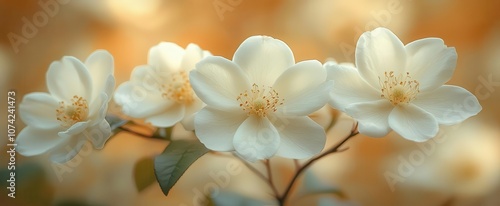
[
  {"x": 61, "y": 121},
  {"x": 161, "y": 92},
  {"x": 400, "y": 87},
  {"x": 454, "y": 162},
  {"x": 258, "y": 103}
]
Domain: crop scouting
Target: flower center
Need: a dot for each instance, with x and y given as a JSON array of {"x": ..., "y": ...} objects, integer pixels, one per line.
[
  {"x": 398, "y": 89},
  {"x": 69, "y": 114},
  {"x": 259, "y": 100},
  {"x": 178, "y": 88}
]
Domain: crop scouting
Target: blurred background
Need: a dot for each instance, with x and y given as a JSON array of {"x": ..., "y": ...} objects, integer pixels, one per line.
[{"x": 460, "y": 167}]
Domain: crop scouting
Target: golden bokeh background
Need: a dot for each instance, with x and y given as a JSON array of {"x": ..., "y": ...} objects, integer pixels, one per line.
[{"x": 463, "y": 169}]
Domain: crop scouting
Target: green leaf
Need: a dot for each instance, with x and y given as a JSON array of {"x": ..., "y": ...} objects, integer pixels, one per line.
[
  {"x": 144, "y": 173},
  {"x": 175, "y": 160},
  {"x": 228, "y": 198}
]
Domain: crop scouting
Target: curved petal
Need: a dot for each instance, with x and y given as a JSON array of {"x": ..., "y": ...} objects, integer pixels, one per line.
[
  {"x": 166, "y": 57},
  {"x": 449, "y": 104},
  {"x": 98, "y": 134},
  {"x": 138, "y": 102},
  {"x": 256, "y": 139},
  {"x": 413, "y": 123},
  {"x": 216, "y": 128},
  {"x": 67, "y": 78},
  {"x": 308, "y": 101},
  {"x": 218, "y": 82},
  {"x": 301, "y": 138},
  {"x": 193, "y": 55},
  {"x": 264, "y": 59},
  {"x": 75, "y": 129},
  {"x": 32, "y": 141},
  {"x": 299, "y": 78},
  {"x": 148, "y": 77},
  {"x": 349, "y": 87},
  {"x": 430, "y": 62},
  {"x": 168, "y": 117},
  {"x": 109, "y": 87},
  {"x": 98, "y": 108},
  {"x": 69, "y": 148},
  {"x": 379, "y": 51},
  {"x": 372, "y": 117},
  {"x": 38, "y": 110},
  {"x": 194, "y": 107},
  {"x": 101, "y": 66},
  {"x": 188, "y": 120}
]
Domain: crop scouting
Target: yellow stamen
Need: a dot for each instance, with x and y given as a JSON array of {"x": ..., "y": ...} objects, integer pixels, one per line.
[
  {"x": 398, "y": 89},
  {"x": 259, "y": 102},
  {"x": 178, "y": 88},
  {"x": 75, "y": 112}
]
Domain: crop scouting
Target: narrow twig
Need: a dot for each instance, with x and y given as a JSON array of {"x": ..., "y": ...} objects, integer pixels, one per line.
[
  {"x": 336, "y": 148},
  {"x": 267, "y": 163},
  {"x": 296, "y": 163},
  {"x": 253, "y": 169}
]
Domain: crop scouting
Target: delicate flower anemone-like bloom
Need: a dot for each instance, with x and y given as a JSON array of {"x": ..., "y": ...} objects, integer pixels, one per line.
[
  {"x": 161, "y": 92},
  {"x": 257, "y": 104},
  {"x": 400, "y": 87},
  {"x": 62, "y": 121}
]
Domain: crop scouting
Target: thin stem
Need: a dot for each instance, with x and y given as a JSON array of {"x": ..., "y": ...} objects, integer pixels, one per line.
[
  {"x": 253, "y": 169},
  {"x": 296, "y": 163},
  {"x": 334, "y": 149},
  {"x": 270, "y": 177}
]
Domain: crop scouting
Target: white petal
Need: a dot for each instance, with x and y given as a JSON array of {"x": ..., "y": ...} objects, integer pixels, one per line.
[
  {"x": 67, "y": 78},
  {"x": 413, "y": 123},
  {"x": 98, "y": 108},
  {"x": 193, "y": 55},
  {"x": 138, "y": 102},
  {"x": 256, "y": 139},
  {"x": 264, "y": 59},
  {"x": 379, "y": 51},
  {"x": 75, "y": 129},
  {"x": 98, "y": 134},
  {"x": 303, "y": 88},
  {"x": 301, "y": 137},
  {"x": 38, "y": 110},
  {"x": 299, "y": 78},
  {"x": 218, "y": 82},
  {"x": 372, "y": 117},
  {"x": 348, "y": 87},
  {"x": 194, "y": 107},
  {"x": 101, "y": 66},
  {"x": 166, "y": 57},
  {"x": 169, "y": 117},
  {"x": 430, "y": 62},
  {"x": 32, "y": 141},
  {"x": 109, "y": 87},
  {"x": 449, "y": 104},
  {"x": 148, "y": 77},
  {"x": 188, "y": 120},
  {"x": 308, "y": 101},
  {"x": 69, "y": 149},
  {"x": 216, "y": 128}
]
